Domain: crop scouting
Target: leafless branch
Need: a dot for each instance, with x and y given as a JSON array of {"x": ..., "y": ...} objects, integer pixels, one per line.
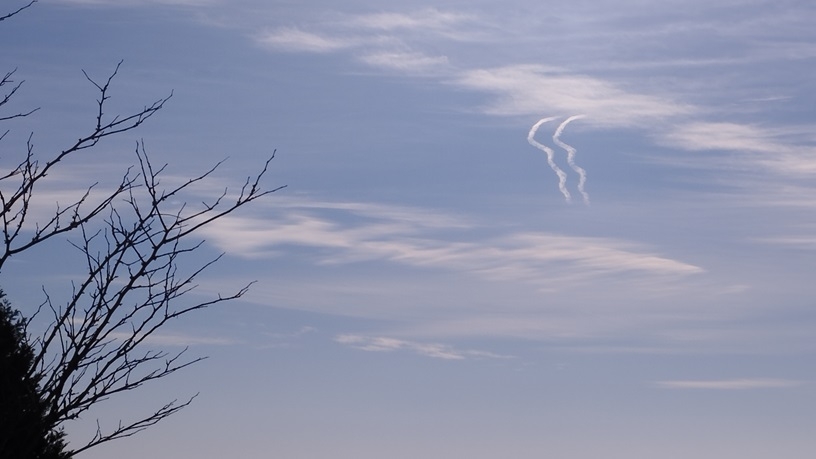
[
  {"x": 15, "y": 204},
  {"x": 3, "y": 18},
  {"x": 133, "y": 287},
  {"x": 6, "y": 80},
  {"x": 122, "y": 430},
  {"x": 136, "y": 243}
]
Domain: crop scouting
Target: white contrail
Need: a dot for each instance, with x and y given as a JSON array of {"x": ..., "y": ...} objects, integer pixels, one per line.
[
  {"x": 562, "y": 177},
  {"x": 571, "y": 154}
]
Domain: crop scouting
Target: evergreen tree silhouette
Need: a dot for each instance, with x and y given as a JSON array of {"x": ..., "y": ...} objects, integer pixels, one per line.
[{"x": 24, "y": 431}]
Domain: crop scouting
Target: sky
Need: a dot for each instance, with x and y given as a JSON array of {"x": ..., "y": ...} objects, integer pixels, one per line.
[{"x": 446, "y": 275}]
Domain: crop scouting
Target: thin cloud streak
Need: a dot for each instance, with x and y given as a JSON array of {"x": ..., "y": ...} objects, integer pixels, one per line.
[
  {"x": 380, "y": 40},
  {"x": 562, "y": 177},
  {"x": 800, "y": 242},
  {"x": 731, "y": 384},
  {"x": 409, "y": 62},
  {"x": 433, "y": 350},
  {"x": 543, "y": 259},
  {"x": 294, "y": 39},
  {"x": 571, "y": 155},
  {"x": 530, "y": 89},
  {"x": 769, "y": 148},
  {"x": 429, "y": 19}
]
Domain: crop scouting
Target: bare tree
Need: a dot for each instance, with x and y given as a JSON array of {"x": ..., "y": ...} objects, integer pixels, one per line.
[{"x": 132, "y": 241}]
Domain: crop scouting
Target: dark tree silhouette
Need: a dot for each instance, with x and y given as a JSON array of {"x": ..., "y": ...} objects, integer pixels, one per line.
[
  {"x": 132, "y": 239},
  {"x": 24, "y": 431}
]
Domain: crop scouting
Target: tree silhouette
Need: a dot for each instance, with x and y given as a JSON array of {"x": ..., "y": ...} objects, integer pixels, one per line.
[
  {"x": 25, "y": 431},
  {"x": 132, "y": 239}
]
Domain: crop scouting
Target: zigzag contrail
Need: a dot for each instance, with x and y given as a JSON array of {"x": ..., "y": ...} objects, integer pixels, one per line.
[
  {"x": 571, "y": 155},
  {"x": 562, "y": 177}
]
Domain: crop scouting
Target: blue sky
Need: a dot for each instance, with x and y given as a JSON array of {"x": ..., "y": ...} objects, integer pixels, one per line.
[{"x": 424, "y": 289}]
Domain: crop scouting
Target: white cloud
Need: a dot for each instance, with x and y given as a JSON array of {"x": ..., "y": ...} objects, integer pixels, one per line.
[
  {"x": 409, "y": 62},
  {"x": 383, "y": 40},
  {"x": 720, "y": 136},
  {"x": 434, "y": 350},
  {"x": 423, "y": 218},
  {"x": 547, "y": 260},
  {"x": 540, "y": 90},
  {"x": 781, "y": 151},
  {"x": 294, "y": 39},
  {"x": 599, "y": 254},
  {"x": 730, "y": 384},
  {"x": 803, "y": 242},
  {"x": 426, "y": 19}
]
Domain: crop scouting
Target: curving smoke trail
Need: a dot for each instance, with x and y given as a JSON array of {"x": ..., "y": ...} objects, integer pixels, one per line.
[
  {"x": 571, "y": 155},
  {"x": 562, "y": 177}
]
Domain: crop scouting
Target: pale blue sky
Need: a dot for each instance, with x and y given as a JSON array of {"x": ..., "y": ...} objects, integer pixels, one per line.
[{"x": 424, "y": 289}]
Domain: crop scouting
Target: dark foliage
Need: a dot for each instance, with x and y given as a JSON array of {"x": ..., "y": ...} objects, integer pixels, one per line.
[{"x": 24, "y": 431}]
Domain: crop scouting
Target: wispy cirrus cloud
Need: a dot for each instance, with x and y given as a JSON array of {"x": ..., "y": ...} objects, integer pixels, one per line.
[
  {"x": 297, "y": 40},
  {"x": 612, "y": 92},
  {"x": 731, "y": 384},
  {"x": 537, "y": 89},
  {"x": 543, "y": 259},
  {"x": 384, "y": 40},
  {"x": 799, "y": 242},
  {"x": 780, "y": 150},
  {"x": 408, "y": 62},
  {"x": 423, "y": 19},
  {"x": 434, "y": 350},
  {"x": 399, "y": 41},
  {"x": 426, "y": 42}
]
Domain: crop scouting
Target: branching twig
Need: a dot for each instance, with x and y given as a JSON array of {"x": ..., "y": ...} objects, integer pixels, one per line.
[
  {"x": 7, "y": 97},
  {"x": 14, "y": 206},
  {"x": 133, "y": 242},
  {"x": 3, "y": 18}
]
